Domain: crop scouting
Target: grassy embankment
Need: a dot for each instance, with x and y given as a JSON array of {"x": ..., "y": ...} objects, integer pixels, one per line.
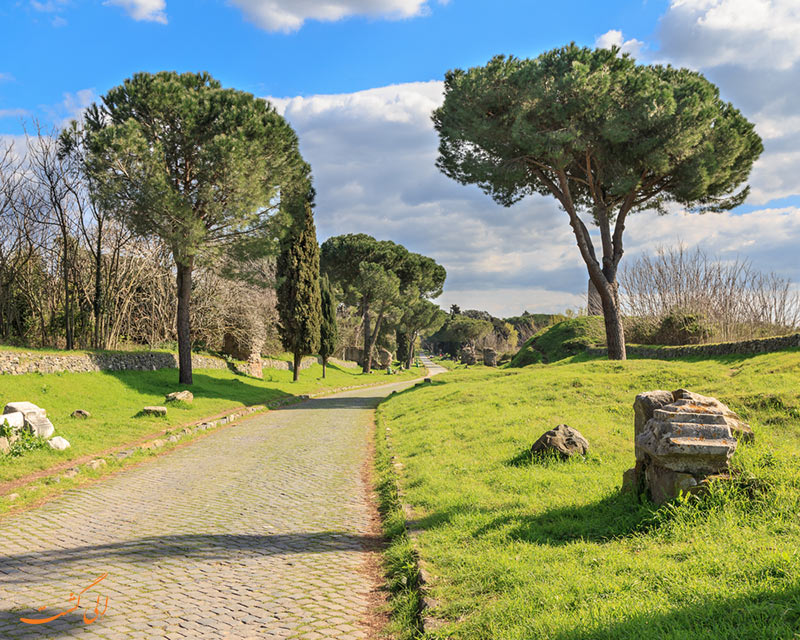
[
  {"x": 115, "y": 398},
  {"x": 523, "y": 550}
]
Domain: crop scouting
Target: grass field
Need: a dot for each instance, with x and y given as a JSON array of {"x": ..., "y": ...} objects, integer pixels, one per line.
[
  {"x": 551, "y": 550},
  {"x": 115, "y": 398}
]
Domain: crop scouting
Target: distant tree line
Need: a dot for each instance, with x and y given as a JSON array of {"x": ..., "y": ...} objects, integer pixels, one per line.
[{"x": 388, "y": 288}]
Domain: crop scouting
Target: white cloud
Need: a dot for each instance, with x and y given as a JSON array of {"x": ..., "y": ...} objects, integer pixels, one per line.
[
  {"x": 290, "y": 15},
  {"x": 373, "y": 154},
  {"x": 614, "y": 38},
  {"x": 147, "y": 10},
  {"x": 48, "y": 6},
  {"x": 6, "y": 77},
  {"x": 13, "y": 113},
  {"x": 751, "y": 50},
  {"x": 750, "y": 33}
]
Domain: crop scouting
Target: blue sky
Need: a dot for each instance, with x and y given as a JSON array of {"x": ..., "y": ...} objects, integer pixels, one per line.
[{"x": 358, "y": 79}]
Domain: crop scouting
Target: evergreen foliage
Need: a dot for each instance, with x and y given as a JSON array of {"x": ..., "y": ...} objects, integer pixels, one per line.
[
  {"x": 299, "y": 302},
  {"x": 329, "y": 334},
  {"x": 382, "y": 278}
]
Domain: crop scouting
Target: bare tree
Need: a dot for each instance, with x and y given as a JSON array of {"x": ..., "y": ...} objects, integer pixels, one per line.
[{"x": 738, "y": 301}]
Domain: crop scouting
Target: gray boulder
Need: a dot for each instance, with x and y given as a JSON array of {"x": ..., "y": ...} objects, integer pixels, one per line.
[
  {"x": 563, "y": 440},
  {"x": 154, "y": 411},
  {"x": 81, "y": 414},
  {"x": 58, "y": 443}
]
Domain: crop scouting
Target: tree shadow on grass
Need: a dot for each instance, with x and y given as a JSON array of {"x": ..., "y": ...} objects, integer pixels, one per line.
[
  {"x": 617, "y": 515},
  {"x": 759, "y": 615},
  {"x": 163, "y": 381}
]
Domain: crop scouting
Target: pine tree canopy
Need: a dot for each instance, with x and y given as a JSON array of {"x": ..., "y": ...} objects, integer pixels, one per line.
[
  {"x": 200, "y": 166},
  {"x": 626, "y": 136}
]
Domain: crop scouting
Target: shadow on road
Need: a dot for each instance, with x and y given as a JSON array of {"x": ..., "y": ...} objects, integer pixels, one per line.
[{"x": 22, "y": 568}]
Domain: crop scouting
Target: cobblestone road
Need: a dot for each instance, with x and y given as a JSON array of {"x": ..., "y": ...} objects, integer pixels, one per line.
[{"x": 260, "y": 530}]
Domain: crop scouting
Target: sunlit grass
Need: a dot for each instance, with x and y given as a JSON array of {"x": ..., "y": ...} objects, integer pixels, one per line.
[{"x": 523, "y": 550}]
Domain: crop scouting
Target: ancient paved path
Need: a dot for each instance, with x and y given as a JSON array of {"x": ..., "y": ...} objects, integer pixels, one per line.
[{"x": 261, "y": 530}]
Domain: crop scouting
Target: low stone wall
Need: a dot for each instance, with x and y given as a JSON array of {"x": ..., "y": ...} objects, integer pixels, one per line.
[
  {"x": 18, "y": 362},
  {"x": 345, "y": 364},
  {"x": 22, "y": 362},
  {"x": 746, "y": 347}
]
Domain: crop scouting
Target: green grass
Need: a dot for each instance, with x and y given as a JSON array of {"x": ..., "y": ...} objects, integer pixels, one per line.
[
  {"x": 550, "y": 550},
  {"x": 115, "y": 398},
  {"x": 561, "y": 340}
]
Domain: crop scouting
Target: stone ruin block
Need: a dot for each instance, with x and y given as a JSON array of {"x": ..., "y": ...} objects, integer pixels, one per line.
[
  {"x": 490, "y": 357},
  {"x": 682, "y": 441},
  {"x": 468, "y": 356},
  {"x": 34, "y": 418}
]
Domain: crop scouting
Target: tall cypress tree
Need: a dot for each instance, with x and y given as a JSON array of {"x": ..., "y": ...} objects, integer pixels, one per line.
[
  {"x": 299, "y": 304},
  {"x": 329, "y": 334}
]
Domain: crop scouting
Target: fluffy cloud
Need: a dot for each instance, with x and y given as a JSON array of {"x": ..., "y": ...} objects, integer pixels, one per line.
[
  {"x": 147, "y": 10},
  {"x": 750, "y": 33},
  {"x": 13, "y": 113},
  {"x": 751, "y": 49},
  {"x": 373, "y": 155},
  {"x": 289, "y": 15},
  {"x": 614, "y": 38}
]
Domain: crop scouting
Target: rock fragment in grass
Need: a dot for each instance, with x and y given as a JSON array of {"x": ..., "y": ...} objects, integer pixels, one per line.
[
  {"x": 81, "y": 414},
  {"x": 563, "y": 441},
  {"x": 58, "y": 443},
  {"x": 181, "y": 396},
  {"x": 96, "y": 464},
  {"x": 154, "y": 411}
]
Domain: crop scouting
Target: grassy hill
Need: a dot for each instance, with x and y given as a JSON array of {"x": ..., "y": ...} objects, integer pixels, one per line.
[
  {"x": 561, "y": 340},
  {"x": 547, "y": 550}
]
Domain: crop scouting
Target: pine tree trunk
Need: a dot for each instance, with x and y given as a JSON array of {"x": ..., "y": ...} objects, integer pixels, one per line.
[
  {"x": 366, "y": 363},
  {"x": 298, "y": 358},
  {"x": 373, "y": 340},
  {"x": 184, "y": 323},
  {"x": 411, "y": 350},
  {"x": 324, "y": 365},
  {"x": 615, "y": 334}
]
